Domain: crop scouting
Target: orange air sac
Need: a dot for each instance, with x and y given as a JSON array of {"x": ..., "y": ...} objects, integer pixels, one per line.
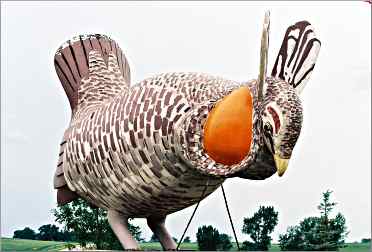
[{"x": 228, "y": 129}]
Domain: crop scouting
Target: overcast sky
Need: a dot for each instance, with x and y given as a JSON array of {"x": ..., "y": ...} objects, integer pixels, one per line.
[{"x": 220, "y": 38}]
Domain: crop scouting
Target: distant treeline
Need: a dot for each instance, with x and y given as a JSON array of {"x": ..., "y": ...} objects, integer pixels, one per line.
[
  {"x": 84, "y": 224},
  {"x": 49, "y": 232}
]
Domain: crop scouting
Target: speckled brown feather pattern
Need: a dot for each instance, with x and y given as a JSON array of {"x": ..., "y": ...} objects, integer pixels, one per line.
[
  {"x": 137, "y": 149},
  {"x": 129, "y": 159},
  {"x": 125, "y": 153}
]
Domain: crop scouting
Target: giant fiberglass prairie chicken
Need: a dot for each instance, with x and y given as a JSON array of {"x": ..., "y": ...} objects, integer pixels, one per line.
[{"x": 150, "y": 149}]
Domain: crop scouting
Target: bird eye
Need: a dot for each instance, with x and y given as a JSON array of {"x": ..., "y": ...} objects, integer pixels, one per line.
[
  {"x": 268, "y": 133},
  {"x": 268, "y": 128}
]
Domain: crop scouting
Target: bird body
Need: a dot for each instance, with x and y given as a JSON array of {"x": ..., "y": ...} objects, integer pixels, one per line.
[
  {"x": 163, "y": 144},
  {"x": 128, "y": 145}
]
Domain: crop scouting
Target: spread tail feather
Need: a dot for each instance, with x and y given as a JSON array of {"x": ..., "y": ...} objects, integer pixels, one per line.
[
  {"x": 72, "y": 62},
  {"x": 85, "y": 64}
]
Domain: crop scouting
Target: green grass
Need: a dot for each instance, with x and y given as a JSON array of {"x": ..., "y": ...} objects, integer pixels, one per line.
[
  {"x": 274, "y": 247},
  {"x": 358, "y": 247},
  {"x": 157, "y": 246},
  {"x": 9, "y": 244},
  {"x": 184, "y": 246},
  {"x": 350, "y": 247}
]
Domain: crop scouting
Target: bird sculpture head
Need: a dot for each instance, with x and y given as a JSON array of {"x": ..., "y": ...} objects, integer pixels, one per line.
[
  {"x": 273, "y": 102},
  {"x": 280, "y": 104},
  {"x": 281, "y": 121}
]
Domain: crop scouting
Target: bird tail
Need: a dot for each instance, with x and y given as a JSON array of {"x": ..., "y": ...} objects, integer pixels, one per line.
[
  {"x": 72, "y": 62},
  {"x": 77, "y": 60}
]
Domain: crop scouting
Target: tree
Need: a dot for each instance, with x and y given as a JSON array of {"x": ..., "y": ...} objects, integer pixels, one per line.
[
  {"x": 187, "y": 239},
  {"x": 366, "y": 240},
  {"x": 324, "y": 232},
  {"x": 224, "y": 242},
  {"x": 317, "y": 233},
  {"x": 292, "y": 240},
  {"x": 207, "y": 238},
  {"x": 26, "y": 233},
  {"x": 90, "y": 224},
  {"x": 326, "y": 206},
  {"x": 79, "y": 218},
  {"x": 308, "y": 230},
  {"x": 259, "y": 227},
  {"x": 300, "y": 237},
  {"x": 210, "y": 239},
  {"x": 338, "y": 231},
  {"x": 67, "y": 236},
  {"x": 49, "y": 233}
]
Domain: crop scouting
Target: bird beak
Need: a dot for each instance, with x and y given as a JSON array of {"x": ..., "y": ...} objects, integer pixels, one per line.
[{"x": 281, "y": 164}]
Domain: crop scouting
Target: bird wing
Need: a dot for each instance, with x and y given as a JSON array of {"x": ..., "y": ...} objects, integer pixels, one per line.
[{"x": 297, "y": 55}]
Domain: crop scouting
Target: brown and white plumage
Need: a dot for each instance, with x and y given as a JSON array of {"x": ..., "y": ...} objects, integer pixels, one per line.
[{"x": 138, "y": 150}]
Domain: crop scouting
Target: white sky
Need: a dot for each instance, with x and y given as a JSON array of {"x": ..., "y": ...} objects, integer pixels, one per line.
[{"x": 220, "y": 38}]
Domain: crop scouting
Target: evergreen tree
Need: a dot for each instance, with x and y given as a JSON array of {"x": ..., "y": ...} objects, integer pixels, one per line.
[
  {"x": 317, "y": 233},
  {"x": 324, "y": 232}
]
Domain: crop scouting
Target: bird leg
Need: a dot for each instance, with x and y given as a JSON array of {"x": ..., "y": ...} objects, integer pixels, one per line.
[
  {"x": 157, "y": 225},
  {"x": 119, "y": 225}
]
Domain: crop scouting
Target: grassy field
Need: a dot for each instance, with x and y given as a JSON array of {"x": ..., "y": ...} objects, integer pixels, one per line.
[
  {"x": 8, "y": 244},
  {"x": 359, "y": 247},
  {"x": 351, "y": 247}
]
